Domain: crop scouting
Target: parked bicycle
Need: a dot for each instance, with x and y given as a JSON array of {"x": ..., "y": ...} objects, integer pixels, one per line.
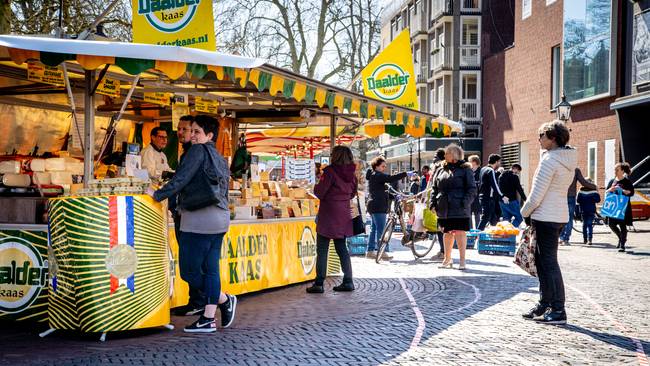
[{"x": 419, "y": 243}]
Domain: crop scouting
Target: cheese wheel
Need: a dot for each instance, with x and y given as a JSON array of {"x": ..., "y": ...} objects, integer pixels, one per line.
[
  {"x": 55, "y": 164},
  {"x": 61, "y": 178},
  {"x": 10, "y": 167},
  {"x": 42, "y": 178},
  {"x": 16, "y": 180},
  {"x": 37, "y": 165}
]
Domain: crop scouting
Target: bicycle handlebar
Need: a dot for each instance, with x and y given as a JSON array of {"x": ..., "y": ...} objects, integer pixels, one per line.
[{"x": 401, "y": 195}]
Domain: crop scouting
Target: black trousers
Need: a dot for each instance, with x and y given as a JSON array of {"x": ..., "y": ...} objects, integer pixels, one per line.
[
  {"x": 322, "y": 248},
  {"x": 551, "y": 284},
  {"x": 488, "y": 212},
  {"x": 620, "y": 229}
]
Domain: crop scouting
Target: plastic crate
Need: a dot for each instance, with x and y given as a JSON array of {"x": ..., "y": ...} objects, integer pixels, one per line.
[
  {"x": 497, "y": 245},
  {"x": 357, "y": 244}
]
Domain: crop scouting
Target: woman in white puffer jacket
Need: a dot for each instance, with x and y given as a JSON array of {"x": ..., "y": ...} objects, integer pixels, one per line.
[{"x": 546, "y": 206}]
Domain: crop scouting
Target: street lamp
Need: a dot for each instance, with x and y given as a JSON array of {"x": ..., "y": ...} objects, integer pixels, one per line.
[
  {"x": 563, "y": 109},
  {"x": 411, "y": 141}
]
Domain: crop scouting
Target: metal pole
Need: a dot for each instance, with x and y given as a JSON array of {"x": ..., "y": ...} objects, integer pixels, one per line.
[
  {"x": 419, "y": 156},
  {"x": 89, "y": 127},
  {"x": 332, "y": 132}
]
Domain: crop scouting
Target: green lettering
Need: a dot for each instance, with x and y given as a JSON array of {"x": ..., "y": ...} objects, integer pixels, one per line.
[
  {"x": 234, "y": 278},
  {"x": 250, "y": 275},
  {"x": 5, "y": 275},
  {"x": 258, "y": 269},
  {"x": 32, "y": 278}
]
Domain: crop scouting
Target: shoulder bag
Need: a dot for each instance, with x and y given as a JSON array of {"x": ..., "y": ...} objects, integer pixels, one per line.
[{"x": 358, "y": 226}]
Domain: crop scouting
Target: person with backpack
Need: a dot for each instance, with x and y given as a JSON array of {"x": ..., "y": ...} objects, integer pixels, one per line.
[{"x": 587, "y": 199}]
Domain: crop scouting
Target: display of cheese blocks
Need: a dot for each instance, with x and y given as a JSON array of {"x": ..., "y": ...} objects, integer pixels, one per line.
[
  {"x": 255, "y": 186},
  {"x": 284, "y": 190},
  {"x": 16, "y": 180},
  {"x": 304, "y": 205},
  {"x": 37, "y": 165},
  {"x": 265, "y": 195},
  {"x": 61, "y": 178},
  {"x": 42, "y": 178},
  {"x": 297, "y": 211},
  {"x": 245, "y": 213},
  {"x": 55, "y": 164},
  {"x": 247, "y": 193},
  {"x": 10, "y": 167},
  {"x": 251, "y": 201},
  {"x": 76, "y": 167}
]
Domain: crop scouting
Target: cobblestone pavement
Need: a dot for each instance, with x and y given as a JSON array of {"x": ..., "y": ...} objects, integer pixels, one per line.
[{"x": 402, "y": 313}]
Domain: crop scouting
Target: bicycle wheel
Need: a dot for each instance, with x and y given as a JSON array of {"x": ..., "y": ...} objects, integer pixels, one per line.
[
  {"x": 422, "y": 243},
  {"x": 577, "y": 225},
  {"x": 385, "y": 239}
]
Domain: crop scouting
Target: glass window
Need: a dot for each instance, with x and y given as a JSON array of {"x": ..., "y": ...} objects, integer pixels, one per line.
[
  {"x": 555, "y": 76},
  {"x": 526, "y": 8},
  {"x": 641, "y": 49},
  {"x": 587, "y": 48},
  {"x": 470, "y": 32},
  {"x": 592, "y": 155},
  {"x": 549, "y": 2}
]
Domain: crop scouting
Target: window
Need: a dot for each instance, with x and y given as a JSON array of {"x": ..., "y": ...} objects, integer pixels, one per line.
[
  {"x": 432, "y": 95},
  {"x": 549, "y": 2},
  {"x": 587, "y": 48},
  {"x": 641, "y": 49},
  {"x": 610, "y": 159},
  {"x": 470, "y": 36},
  {"x": 592, "y": 157},
  {"x": 469, "y": 86},
  {"x": 471, "y": 4},
  {"x": 526, "y": 8},
  {"x": 555, "y": 76},
  {"x": 510, "y": 154}
]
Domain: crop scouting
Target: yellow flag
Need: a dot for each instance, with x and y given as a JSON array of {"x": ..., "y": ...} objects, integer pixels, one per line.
[
  {"x": 390, "y": 76},
  {"x": 186, "y": 23}
]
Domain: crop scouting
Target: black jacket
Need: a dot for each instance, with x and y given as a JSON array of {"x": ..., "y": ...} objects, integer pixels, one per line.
[
  {"x": 377, "y": 196},
  {"x": 455, "y": 190},
  {"x": 489, "y": 186},
  {"x": 199, "y": 159},
  {"x": 626, "y": 185},
  {"x": 510, "y": 185}
]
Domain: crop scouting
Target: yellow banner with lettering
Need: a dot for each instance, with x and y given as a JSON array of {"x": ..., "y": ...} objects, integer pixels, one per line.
[
  {"x": 390, "y": 77},
  {"x": 186, "y": 23}
]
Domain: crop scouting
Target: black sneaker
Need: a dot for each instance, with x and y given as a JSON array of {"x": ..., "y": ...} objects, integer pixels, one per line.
[
  {"x": 622, "y": 250},
  {"x": 535, "y": 312},
  {"x": 344, "y": 287},
  {"x": 556, "y": 317},
  {"x": 188, "y": 310},
  {"x": 315, "y": 289},
  {"x": 201, "y": 325},
  {"x": 228, "y": 311}
]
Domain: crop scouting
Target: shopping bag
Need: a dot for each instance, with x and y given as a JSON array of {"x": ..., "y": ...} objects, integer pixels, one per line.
[
  {"x": 614, "y": 205},
  {"x": 358, "y": 225},
  {"x": 418, "y": 220},
  {"x": 430, "y": 220},
  {"x": 525, "y": 253}
]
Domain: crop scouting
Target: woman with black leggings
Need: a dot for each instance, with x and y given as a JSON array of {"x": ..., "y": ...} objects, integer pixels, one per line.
[{"x": 621, "y": 184}]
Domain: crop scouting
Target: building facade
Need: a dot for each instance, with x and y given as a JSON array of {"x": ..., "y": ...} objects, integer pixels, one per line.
[
  {"x": 570, "y": 47},
  {"x": 446, "y": 45}
]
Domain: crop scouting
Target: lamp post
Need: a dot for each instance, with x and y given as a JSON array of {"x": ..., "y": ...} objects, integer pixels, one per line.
[
  {"x": 563, "y": 109},
  {"x": 411, "y": 141}
]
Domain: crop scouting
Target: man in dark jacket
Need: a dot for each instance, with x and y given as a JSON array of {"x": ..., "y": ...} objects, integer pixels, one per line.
[
  {"x": 510, "y": 186},
  {"x": 489, "y": 192},
  {"x": 426, "y": 175},
  {"x": 378, "y": 203}
]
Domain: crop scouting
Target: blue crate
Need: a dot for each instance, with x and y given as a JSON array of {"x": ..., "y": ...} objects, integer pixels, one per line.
[
  {"x": 497, "y": 245},
  {"x": 357, "y": 244}
]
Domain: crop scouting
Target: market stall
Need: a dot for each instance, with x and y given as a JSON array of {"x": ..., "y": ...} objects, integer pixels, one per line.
[{"x": 271, "y": 241}]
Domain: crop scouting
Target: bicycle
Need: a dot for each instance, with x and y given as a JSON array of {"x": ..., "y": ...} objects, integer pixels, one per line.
[{"x": 419, "y": 243}]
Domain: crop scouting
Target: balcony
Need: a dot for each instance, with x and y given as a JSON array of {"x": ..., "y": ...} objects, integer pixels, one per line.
[
  {"x": 442, "y": 109},
  {"x": 470, "y": 6},
  {"x": 470, "y": 109},
  {"x": 440, "y": 8},
  {"x": 421, "y": 77},
  {"x": 441, "y": 60},
  {"x": 470, "y": 56}
]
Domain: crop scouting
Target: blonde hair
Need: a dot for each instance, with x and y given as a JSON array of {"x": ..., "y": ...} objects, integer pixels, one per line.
[{"x": 456, "y": 151}]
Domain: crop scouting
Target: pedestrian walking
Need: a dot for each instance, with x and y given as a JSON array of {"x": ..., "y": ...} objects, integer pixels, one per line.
[
  {"x": 415, "y": 185},
  {"x": 438, "y": 160},
  {"x": 454, "y": 190},
  {"x": 201, "y": 183},
  {"x": 426, "y": 176},
  {"x": 621, "y": 181},
  {"x": 335, "y": 189},
  {"x": 475, "y": 161},
  {"x": 510, "y": 186},
  {"x": 571, "y": 201},
  {"x": 587, "y": 199},
  {"x": 547, "y": 213},
  {"x": 489, "y": 192},
  {"x": 378, "y": 203}
]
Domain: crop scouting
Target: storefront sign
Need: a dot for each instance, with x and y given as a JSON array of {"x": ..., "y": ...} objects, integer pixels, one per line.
[
  {"x": 159, "y": 98},
  {"x": 23, "y": 275},
  {"x": 206, "y": 105},
  {"x": 45, "y": 74},
  {"x": 390, "y": 76},
  {"x": 109, "y": 87},
  {"x": 186, "y": 23}
]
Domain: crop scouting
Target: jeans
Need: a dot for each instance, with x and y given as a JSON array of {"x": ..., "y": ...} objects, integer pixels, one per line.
[
  {"x": 376, "y": 229},
  {"x": 588, "y": 226},
  {"x": 199, "y": 257},
  {"x": 551, "y": 284},
  {"x": 620, "y": 229},
  {"x": 197, "y": 297},
  {"x": 566, "y": 233},
  {"x": 488, "y": 212},
  {"x": 322, "y": 247},
  {"x": 510, "y": 210}
]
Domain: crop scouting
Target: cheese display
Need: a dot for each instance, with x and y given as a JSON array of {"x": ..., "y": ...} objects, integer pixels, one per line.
[{"x": 9, "y": 167}]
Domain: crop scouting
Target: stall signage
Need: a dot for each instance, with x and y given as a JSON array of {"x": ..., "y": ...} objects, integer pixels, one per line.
[
  {"x": 206, "y": 105},
  {"x": 307, "y": 250},
  {"x": 23, "y": 274},
  {"x": 109, "y": 87},
  {"x": 186, "y": 23},
  {"x": 45, "y": 74},
  {"x": 159, "y": 98},
  {"x": 390, "y": 76}
]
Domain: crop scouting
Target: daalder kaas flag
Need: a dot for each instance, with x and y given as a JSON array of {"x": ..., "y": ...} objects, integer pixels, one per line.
[
  {"x": 187, "y": 23},
  {"x": 390, "y": 77}
]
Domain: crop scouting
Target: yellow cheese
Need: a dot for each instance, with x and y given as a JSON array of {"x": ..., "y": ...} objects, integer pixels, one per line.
[
  {"x": 55, "y": 164},
  {"x": 42, "y": 178},
  {"x": 37, "y": 165},
  {"x": 295, "y": 207},
  {"x": 61, "y": 178},
  {"x": 264, "y": 176}
]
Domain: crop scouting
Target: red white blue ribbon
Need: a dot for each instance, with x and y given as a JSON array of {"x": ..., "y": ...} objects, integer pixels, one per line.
[{"x": 120, "y": 218}]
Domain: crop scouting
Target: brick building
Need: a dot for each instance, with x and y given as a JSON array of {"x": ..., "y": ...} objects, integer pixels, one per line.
[{"x": 550, "y": 52}]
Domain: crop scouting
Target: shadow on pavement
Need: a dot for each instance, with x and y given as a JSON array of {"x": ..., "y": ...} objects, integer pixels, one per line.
[{"x": 613, "y": 339}]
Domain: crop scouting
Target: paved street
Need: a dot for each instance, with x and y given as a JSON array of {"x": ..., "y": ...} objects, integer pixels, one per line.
[{"x": 403, "y": 313}]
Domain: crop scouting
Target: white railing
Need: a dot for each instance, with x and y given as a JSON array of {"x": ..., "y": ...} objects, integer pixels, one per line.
[
  {"x": 438, "y": 7},
  {"x": 441, "y": 59},
  {"x": 469, "y": 109},
  {"x": 470, "y": 56},
  {"x": 421, "y": 77},
  {"x": 416, "y": 24},
  {"x": 442, "y": 108}
]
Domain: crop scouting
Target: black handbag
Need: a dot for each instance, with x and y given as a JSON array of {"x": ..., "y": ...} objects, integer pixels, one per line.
[
  {"x": 203, "y": 191},
  {"x": 358, "y": 226}
]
